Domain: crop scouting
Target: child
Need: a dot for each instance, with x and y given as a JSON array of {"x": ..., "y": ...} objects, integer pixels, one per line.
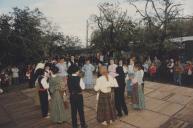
[
  {"x": 76, "y": 85},
  {"x": 138, "y": 99}
]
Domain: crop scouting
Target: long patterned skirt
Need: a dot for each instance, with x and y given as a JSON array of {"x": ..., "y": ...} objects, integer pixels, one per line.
[
  {"x": 138, "y": 99},
  {"x": 106, "y": 109},
  {"x": 129, "y": 86}
]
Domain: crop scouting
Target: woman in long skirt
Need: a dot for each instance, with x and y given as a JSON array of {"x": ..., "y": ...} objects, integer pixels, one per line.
[
  {"x": 130, "y": 76},
  {"x": 59, "y": 106},
  {"x": 88, "y": 69},
  {"x": 138, "y": 99},
  {"x": 106, "y": 112}
]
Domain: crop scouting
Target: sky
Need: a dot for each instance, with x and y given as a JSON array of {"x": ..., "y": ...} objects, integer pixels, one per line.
[{"x": 70, "y": 15}]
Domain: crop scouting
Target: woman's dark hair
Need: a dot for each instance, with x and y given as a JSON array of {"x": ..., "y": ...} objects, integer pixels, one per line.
[
  {"x": 48, "y": 65},
  {"x": 87, "y": 59},
  {"x": 54, "y": 69},
  {"x": 138, "y": 65},
  {"x": 40, "y": 72}
]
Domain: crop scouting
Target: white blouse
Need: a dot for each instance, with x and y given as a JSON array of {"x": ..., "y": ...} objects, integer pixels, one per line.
[
  {"x": 139, "y": 76},
  {"x": 45, "y": 83},
  {"x": 130, "y": 68},
  {"x": 105, "y": 86},
  {"x": 112, "y": 70}
]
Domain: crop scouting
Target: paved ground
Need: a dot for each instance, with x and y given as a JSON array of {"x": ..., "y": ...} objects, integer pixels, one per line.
[{"x": 167, "y": 106}]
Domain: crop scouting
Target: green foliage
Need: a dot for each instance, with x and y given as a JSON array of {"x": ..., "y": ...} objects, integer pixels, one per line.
[{"x": 26, "y": 36}]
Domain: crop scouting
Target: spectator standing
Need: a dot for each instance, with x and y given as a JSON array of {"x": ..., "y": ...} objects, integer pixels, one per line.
[
  {"x": 189, "y": 72},
  {"x": 178, "y": 70},
  {"x": 153, "y": 71},
  {"x": 88, "y": 70},
  {"x": 15, "y": 75}
]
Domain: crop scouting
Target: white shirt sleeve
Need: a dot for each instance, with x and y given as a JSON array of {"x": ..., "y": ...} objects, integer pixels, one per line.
[
  {"x": 82, "y": 84},
  {"x": 114, "y": 83},
  {"x": 96, "y": 87},
  {"x": 44, "y": 83}
]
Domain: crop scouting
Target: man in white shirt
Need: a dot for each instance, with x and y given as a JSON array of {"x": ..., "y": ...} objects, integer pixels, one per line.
[
  {"x": 15, "y": 75},
  {"x": 43, "y": 93},
  {"x": 76, "y": 85}
]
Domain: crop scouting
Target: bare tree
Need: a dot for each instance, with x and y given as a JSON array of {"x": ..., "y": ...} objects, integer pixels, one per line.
[
  {"x": 158, "y": 14},
  {"x": 111, "y": 21}
]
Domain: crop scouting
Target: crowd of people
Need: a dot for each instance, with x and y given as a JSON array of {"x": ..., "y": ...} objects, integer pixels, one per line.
[
  {"x": 60, "y": 83},
  {"x": 60, "y": 86},
  {"x": 177, "y": 72}
]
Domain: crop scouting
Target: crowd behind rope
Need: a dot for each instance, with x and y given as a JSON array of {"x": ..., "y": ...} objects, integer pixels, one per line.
[{"x": 60, "y": 81}]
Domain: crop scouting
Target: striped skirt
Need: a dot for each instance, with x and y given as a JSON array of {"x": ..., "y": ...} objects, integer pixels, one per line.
[{"x": 106, "y": 109}]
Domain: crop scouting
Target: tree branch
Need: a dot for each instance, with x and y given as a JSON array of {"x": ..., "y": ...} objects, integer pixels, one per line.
[
  {"x": 153, "y": 4},
  {"x": 137, "y": 9}
]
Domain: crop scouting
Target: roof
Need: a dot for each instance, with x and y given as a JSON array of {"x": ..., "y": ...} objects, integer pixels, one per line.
[{"x": 182, "y": 39}]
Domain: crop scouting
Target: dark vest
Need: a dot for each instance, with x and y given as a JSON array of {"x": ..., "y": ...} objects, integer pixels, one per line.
[
  {"x": 40, "y": 84},
  {"x": 74, "y": 84}
]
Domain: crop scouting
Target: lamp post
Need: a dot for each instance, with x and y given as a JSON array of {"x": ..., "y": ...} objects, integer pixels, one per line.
[{"x": 87, "y": 25}]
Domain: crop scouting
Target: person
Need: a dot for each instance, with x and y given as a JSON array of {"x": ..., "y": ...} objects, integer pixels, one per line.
[
  {"x": 4, "y": 81},
  {"x": 112, "y": 68},
  {"x": 138, "y": 99},
  {"x": 125, "y": 68},
  {"x": 188, "y": 72},
  {"x": 130, "y": 75},
  {"x": 38, "y": 70},
  {"x": 29, "y": 73},
  {"x": 146, "y": 69},
  {"x": 119, "y": 91},
  {"x": 106, "y": 112},
  {"x": 88, "y": 69},
  {"x": 153, "y": 71},
  {"x": 43, "y": 93},
  {"x": 59, "y": 110},
  {"x": 81, "y": 61},
  {"x": 63, "y": 67},
  {"x": 75, "y": 86},
  {"x": 170, "y": 67},
  {"x": 15, "y": 75},
  {"x": 101, "y": 58},
  {"x": 34, "y": 81},
  {"x": 97, "y": 69},
  {"x": 72, "y": 61},
  {"x": 148, "y": 61},
  {"x": 157, "y": 62},
  {"x": 178, "y": 70}
]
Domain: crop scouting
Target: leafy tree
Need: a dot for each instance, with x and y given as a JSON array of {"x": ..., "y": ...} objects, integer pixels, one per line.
[{"x": 26, "y": 36}]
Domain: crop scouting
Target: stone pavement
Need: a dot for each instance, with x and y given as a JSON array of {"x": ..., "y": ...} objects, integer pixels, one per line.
[{"x": 167, "y": 106}]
